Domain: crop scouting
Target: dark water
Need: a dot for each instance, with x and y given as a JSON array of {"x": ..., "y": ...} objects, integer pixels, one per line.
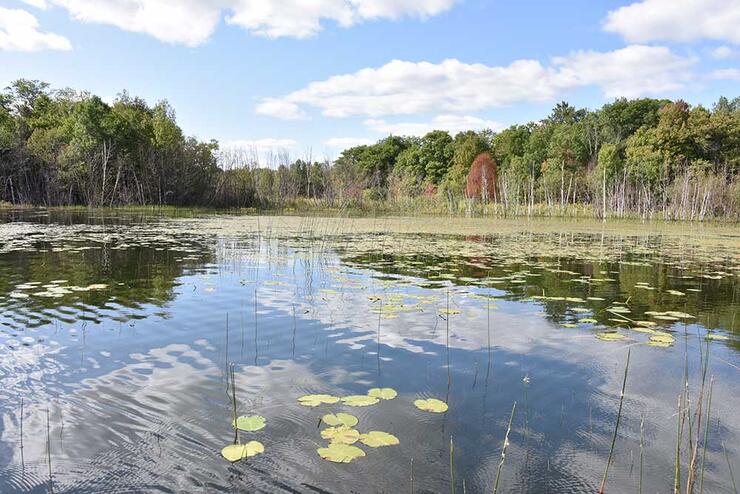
[{"x": 117, "y": 330}]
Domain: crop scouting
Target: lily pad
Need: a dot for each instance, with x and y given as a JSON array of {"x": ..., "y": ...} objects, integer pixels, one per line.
[
  {"x": 236, "y": 452},
  {"x": 431, "y": 405},
  {"x": 339, "y": 419},
  {"x": 250, "y": 423},
  {"x": 316, "y": 400},
  {"x": 383, "y": 393},
  {"x": 376, "y": 439},
  {"x": 719, "y": 337},
  {"x": 359, "y": 400},
  {"x": 588, "y": 320},
  {"x": 340, "y": 453},
  {"x": 610, "y": 336},
  {"x": 662, "y": 339},
  {"x": 343, "y": 435}
]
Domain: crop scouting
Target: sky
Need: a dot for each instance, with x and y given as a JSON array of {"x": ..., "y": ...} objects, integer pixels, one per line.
[{"x": 312, "y": 77}]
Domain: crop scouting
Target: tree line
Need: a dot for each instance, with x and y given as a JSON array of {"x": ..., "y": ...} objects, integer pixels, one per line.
[{"x": 646, "y": 157}]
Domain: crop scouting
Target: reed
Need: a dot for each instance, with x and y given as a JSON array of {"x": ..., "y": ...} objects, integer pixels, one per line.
[
  {"x": 452, "y": 465},
  {"x": 503, "y": 450},
  {"x": 706, "y": 436},
  {"x": 616, "y": 426}
]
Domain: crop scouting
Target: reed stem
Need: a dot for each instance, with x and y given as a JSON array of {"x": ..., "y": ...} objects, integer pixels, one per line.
[
  {"x": 503, "y": 450},
  {"x": 616, "y": 426}
]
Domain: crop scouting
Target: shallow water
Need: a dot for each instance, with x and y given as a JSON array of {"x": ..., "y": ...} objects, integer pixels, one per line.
[{"x": 117, "y": 330}]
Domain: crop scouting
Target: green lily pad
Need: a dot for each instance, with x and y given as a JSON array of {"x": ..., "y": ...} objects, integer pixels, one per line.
[
  {"x": 662, "y": 340},
  {"x": 431, "y": 405},
  {"x": 383, "y": 393},
  {"x": 610, "y": 336},
  {"x": 568, "y": 325},
  {"x": 316, "y": 400},
  {"x": 719, "y": 337},
  {"x": 236, "y": 452},
  {"x": 339, "y": 419},
  {"x": 376, "y": 439},
  {"x": 588, "y": 320},
  {"x": 343, "y": 435},
  {"x": 340, "y": 453},
  {"x": 249, "y": 423},
  {"x": 359, "y": 400}
]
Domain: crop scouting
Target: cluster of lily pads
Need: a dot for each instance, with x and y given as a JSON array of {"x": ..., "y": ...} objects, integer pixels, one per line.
[{"x": 341, "y": 431}]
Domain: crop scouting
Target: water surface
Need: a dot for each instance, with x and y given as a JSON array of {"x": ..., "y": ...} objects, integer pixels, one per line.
[{"x": 117, "y": 330}]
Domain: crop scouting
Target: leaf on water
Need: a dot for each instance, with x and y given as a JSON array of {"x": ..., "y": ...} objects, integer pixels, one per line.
[
  {"x": 344, "y": 435},
  {"x": 383, "y": 393},
  {"x": 646, "y": 324},
  {"x": 340, "y": 453},
  {"x": 431, "y": 405},
  {"x": 249, "y": 423},
  {"x": 377, "y": 439},
  {"x": 675, "y": 292},
  {"x": 720, "y": 337},
  {"x": 610, "y": 336},
  {"x": 588, "y": 320},
  {"x": 359, "y": 400},
  {"x": 451, "y": 312},
  {"x": 596, "y": 299},
  {"x": 339, "y": 419},
  {"x": 236, "y": 452},
  {"x": 662, "y": 340},
  {"x": 569, "y": 325},
  {"x": 316, "y": 400}
]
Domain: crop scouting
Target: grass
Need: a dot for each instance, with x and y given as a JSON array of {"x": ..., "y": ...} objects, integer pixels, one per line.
[{"x": 616, "y": 426}]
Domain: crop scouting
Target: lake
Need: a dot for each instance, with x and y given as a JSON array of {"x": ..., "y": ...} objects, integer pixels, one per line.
[{"x": 127, "y": 338}]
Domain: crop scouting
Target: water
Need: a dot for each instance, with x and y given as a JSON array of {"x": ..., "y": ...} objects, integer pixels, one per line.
[{"x": 117, "y": 331}]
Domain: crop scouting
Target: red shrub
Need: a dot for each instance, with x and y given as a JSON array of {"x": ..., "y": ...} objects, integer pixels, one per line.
[{"x": 482, "y": 179}]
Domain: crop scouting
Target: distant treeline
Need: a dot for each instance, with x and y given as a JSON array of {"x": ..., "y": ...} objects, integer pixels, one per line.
[{"x": 646, "y": 157}]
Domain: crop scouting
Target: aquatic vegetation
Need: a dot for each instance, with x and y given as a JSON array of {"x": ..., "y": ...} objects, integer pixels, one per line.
[
  {"x": 383, "y": 393},
  {"x": 316, "y": 400},
  {"x": 610, "y": 336},
  {"x": 236, "y": 452},
  {"x": 340, "y": 419},
  {"x": 250, "y": 423},
  {"x": 341, "y": 434},
  {"x": 431, "y": 405},
  {"x": 377, "y": 439},
  {"x": 340, "y": 453},
  {"x": 359, "y": 400}
]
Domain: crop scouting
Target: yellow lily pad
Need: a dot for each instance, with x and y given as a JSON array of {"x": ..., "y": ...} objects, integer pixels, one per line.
[
  {"x": 662, "y": 340},
  {"x": 719, "y": 337},
  {"x": 359, "y": 400},
  {"x": 383, "y": 393},
  {"x": 431, "y": 405},
  {"x": 343, "y": 435},
  {"x": 316, "y": 400},
  {"x": 236, "y": 452},
  {"x": 339, "y": 419},
  {"x": 376, "y": 439},
  {"x": 340, "y": 453}
]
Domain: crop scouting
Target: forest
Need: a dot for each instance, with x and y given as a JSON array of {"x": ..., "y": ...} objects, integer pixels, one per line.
[{"x": 648, "y": 158}]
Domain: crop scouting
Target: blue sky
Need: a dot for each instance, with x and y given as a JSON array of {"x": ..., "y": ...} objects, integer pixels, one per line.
[{"x": 323, "y": 74}]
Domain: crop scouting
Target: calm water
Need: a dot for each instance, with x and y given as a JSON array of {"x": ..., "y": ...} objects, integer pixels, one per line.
[{"x": 116, "y": 332}]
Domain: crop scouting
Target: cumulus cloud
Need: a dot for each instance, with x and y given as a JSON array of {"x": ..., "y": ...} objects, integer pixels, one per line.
[
  {"x": 721, "y": 52},
  {"x": 282, "y": 108},
  {"x": 19, "y": 31},
  {"x": 726, "y": 74},
  {"x": 402, "y": 87},
  {"x": 450, "y": 123},
  {"x": 191, "y": 22},
  {"x": 676, "y": 20}
]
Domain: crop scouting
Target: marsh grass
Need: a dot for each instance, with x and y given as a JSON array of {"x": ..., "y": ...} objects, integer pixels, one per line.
[
  {"x": 616, "y": 425},
  {"x": 503, "y": 450}
]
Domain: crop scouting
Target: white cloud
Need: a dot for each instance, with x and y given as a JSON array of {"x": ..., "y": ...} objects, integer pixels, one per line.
[
  {"x": 726, "y": 74},
  {"x": 450, "y": 123},
  {"x": 721, "y": 52},
  {"x": 342, "y": 143},
  {"x": 19, "y": 31},
  {"x": 39, "y": 4},
  {"x": 191, "y": 22},
  {"x": 281, "y": 108},
  {"x": 401, "y": 87},
  {"x": 676, "y": 20}
]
